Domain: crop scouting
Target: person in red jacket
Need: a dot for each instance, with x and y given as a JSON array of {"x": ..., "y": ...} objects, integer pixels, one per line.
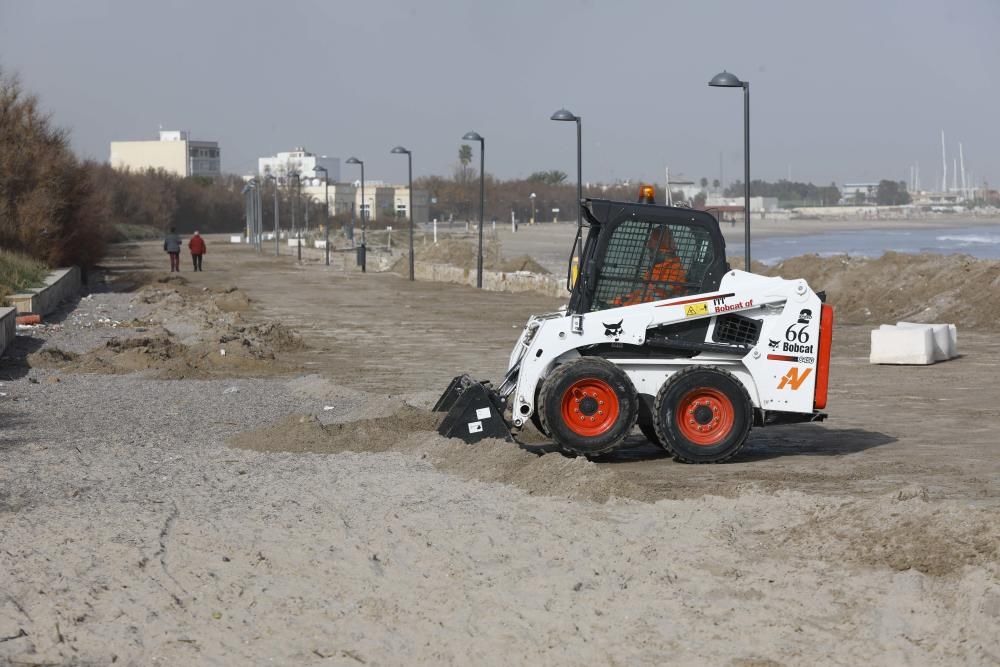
[{"x": 197, "y": 245}]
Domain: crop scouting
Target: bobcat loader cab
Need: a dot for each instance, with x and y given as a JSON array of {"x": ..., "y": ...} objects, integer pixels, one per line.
[{"x": 660, "y": 331}]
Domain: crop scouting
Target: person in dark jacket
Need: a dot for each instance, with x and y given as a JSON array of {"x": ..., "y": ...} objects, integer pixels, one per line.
[
  {"x": 197, "y": 245},
  {"x": 172, "y": 246}
]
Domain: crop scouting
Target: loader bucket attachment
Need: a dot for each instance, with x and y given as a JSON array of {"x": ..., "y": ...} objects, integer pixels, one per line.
[{"x": 474, "y": 410}]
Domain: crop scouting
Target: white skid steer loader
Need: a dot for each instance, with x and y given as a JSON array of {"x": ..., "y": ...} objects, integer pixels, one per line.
[{"x": 659, "y": 331}]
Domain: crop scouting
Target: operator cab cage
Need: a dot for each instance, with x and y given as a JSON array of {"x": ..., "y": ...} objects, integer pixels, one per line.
[{"x": 636, "y": 253}]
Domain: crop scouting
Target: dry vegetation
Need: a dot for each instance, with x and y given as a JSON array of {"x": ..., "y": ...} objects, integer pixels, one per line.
[
  {"x": 61, "y": 211},
  {"x": 18, "y": 272}
]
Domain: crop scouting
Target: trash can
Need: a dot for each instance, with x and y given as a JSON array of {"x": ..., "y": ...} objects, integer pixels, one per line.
[{"x": 361, "y": 255}]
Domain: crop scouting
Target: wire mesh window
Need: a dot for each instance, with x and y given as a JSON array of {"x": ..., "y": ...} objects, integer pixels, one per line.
[{"x": 650, "y": 262}]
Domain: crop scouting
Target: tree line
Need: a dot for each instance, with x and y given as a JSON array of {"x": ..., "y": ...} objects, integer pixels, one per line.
[{"x": 62, "y": 211}]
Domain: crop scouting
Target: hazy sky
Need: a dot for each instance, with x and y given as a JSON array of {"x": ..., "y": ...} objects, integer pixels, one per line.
[{"x": 842, "y": 90}]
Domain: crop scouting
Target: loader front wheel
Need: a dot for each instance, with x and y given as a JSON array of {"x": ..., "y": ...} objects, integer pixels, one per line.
[
  {"x": 588, "y": 406},
  {"x": 704, "y": 414}
]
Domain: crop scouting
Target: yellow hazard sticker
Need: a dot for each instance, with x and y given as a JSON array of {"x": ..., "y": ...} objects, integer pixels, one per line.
[{"x": 696, "y": 309}]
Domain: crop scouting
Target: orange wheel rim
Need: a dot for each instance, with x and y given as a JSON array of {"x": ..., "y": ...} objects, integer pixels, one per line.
[
  {"x": 590, "y": 407},
  {"x": 705, "y": 416}
]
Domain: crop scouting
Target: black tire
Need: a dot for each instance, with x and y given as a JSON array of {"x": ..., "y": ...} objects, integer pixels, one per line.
[
  {"x": 718, "y": 415},
  {"x": 647, "y": 420},
  {"x": 536, "y": 415},
  {"x": 597, "y": 392}
]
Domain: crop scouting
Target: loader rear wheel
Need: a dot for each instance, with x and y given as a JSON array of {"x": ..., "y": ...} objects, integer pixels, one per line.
[
  {"x": 647, "y": 420},
  {"x": 704, "y": 414},
  {"x": 588, "y": 406}
]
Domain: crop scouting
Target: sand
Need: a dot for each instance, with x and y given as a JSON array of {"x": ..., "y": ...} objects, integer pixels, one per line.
[{"x": 304, "y": 511}]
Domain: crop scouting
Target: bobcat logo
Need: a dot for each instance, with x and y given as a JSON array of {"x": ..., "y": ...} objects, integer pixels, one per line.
[
  {"x": 773, "y": 344},
  {"x": 794, "y": 379},
  {"x": 614, "y": 329}
]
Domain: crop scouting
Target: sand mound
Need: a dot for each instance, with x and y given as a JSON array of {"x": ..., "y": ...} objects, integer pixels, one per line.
[
  {"x": 901, "y": 531},
  {"x": 923, "y": 288},
  {"x": 522, "y": 263},
  {"x": 462, "y": 254},
  {"x": 413, "y": 430},
  {"x": 51, "y": 357}
]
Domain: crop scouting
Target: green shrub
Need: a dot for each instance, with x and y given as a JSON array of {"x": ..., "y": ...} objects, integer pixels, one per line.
[{"x": 19, "y": 272}]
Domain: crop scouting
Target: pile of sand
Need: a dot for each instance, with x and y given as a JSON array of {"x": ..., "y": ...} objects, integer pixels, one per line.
[
  {"x": 922, "y": 288},
  {"x": 412, "y": 430},
  {"x": 462, "y": 254},
  {"x": 226, "y": 345}
]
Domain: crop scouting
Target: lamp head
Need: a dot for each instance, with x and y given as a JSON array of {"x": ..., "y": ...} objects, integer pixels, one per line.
[
  {"x": 563, "y": 114},
  {"x": 472, "y": 136},
  {"x": 725, "y": 79},
  {"x": 399, "y": 150},
  {"x": 353, "y": 160}
]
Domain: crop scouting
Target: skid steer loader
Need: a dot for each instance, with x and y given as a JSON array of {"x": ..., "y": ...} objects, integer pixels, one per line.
[{"x": 661, "y": 332}]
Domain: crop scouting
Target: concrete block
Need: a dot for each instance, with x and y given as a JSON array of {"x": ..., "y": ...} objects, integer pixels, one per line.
[
  {"x": 8, "y": 327},
  {"x": 944, "y": 338},
  {"x": 59, "y": 285},
  {"x": 268, "y": 236},
  {"x": 319, "y": 243},
  {"x": 902, "y": 345},
  {"x": 236, "y": 238},
  {"x": 294, "y": 243}
]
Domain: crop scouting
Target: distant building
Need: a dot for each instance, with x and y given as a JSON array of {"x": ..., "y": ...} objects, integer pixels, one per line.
[
  {"x": 302, "y": 162},
  {"x": 858, "y": 193},
  {"x": 381, "y": 200},
  {"x": 174, "y": 153},
  {"x": 757, "y": 204}
]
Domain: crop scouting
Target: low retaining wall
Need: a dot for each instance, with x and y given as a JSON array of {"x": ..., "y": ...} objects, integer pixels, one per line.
[
  {"x": 8, "y": 327},
  {"x": 60, "y": 285}
]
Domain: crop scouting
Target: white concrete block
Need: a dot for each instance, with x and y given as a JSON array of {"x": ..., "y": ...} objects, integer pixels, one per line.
[
  {"x": 236, "y": 238},
  {"x": 902, "y": 345},
  {"x": 319, "y": 243},
  {"x": 268, "y": 236},
  {"x": 294, "y": 243},
  {"x": 944, "y": 348}
]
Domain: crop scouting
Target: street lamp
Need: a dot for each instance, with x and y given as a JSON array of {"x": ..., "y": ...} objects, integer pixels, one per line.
[
  {"x": 295, "y": 205},
  {"x": 364, "y": 213},
  {"x": 728, "y": 80},
  {"x": 326, "y": 198},
  {"x": 532, "y": 208},
  {"x": 475, "y": 136},
  {"x": 563, "y": 114},
  {"x": 399, "y": 150},
  {"x": 277, "y": 234}
]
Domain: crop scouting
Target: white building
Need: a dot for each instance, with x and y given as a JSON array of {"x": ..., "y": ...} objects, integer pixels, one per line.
[
  {"x": 299, "y": 161},
  {"x": 757, "y": 204},
  {"x": 381, "y": 201},
  {"x": 174, "y": 153},
  {"x": 854, "y": 193}
]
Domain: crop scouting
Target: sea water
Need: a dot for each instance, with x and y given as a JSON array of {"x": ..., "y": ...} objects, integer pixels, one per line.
[{"x": 979, "y": 241}]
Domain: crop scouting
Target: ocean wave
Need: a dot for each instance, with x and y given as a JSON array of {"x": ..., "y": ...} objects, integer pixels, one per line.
[{"x": 971, "y": 239}]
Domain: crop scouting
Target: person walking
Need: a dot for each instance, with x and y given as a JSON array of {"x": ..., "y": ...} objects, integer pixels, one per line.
[
  {"x": 197, "y": 245},
  {"x": 172, "y": 246}
]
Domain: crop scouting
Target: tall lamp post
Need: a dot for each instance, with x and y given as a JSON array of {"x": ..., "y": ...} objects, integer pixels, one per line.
[
  {"x": 475, "y": 136},
  {"x": 326, "y": 199},
  {"x": 532, "y": 208},
  {"x": 728, "y": 80},
  {"x": 399, "y": 150},
  {"x": 364, "y": 213},
  {"x": 277, "y": 235},
  {"x": 565, "y": 115},
  {"x": 295, "y": 205}
]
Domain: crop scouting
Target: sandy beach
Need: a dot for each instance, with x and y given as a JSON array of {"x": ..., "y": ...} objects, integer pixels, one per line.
[{"x": 290, "y": 503}]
